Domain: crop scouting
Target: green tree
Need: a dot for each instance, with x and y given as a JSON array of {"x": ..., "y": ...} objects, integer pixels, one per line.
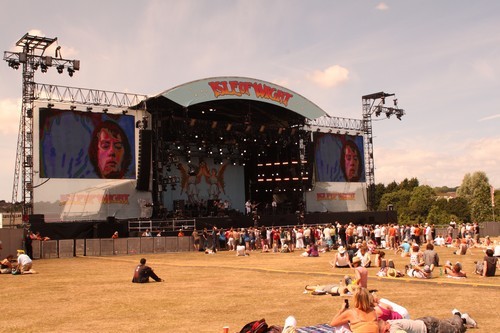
[
  {"x": 421, "y": 201},
  {"x": 475, "y": 189},
  {"x": 379, "y": 192},
  {"x": 399, "y": 199},
  {"x": 393, "y": 186},
  {"x": 408, "y": 184}
]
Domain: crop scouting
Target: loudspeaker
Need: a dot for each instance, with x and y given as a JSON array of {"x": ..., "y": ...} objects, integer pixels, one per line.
[{"x": 144, "y": 160}]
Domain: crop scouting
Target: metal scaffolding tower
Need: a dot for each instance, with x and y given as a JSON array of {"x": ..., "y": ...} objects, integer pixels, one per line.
[
  {"x": 374, "y": 104},
  {"x": 30, "y": 62}
]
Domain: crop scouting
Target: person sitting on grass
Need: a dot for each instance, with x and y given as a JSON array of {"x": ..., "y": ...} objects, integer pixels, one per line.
[
  {"x": 430, "y": 257},
  {"x": 341, "y": 259},
  {"x": 142, "y": 273},
  {"x": 6, "y": 264},
  {"x": 404, "y": 249},
  {"x": 419, "y": 272},
  {"x": 24, "y": 264},
  {"x": 462, "y": 248},
  {"x": 364, "y": 255},
  {"x": 488, "y": 266},
  {"x": 361, "y": 317},
  {"x": 454, "y": 271},
  {"x": 311, "y": 251},
  {"x": 416, "y": 256}
]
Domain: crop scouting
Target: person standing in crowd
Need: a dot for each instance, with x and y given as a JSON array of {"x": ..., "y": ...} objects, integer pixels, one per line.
[
  {"x": 142, "y": 273},
  {"x": 196, "y": 240}
]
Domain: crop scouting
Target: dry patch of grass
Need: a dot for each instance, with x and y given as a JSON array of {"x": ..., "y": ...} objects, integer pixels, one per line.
[{"x": 203, "y": 293}]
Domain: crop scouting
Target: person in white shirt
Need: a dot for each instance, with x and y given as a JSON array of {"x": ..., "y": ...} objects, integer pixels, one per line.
[{"x": 24, "y": 263}]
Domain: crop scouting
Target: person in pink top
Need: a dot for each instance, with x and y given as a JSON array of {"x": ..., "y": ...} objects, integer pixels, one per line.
[{"x": 360, "y": 275}]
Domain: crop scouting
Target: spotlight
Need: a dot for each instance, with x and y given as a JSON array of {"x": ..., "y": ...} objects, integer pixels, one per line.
[
  {"x": 105, "y": 110},
  {"x": 72, "y": 107},
  {"x": 14, "y": 64},
  {"x": 71, "y": 71},
  {"x": 60, "y": 69},
  {"x": 124, "y": 112},
  {"x": 89, "y": 109},
  {"x": 43, "y": 68},
  {"x": 50, "y": 105}
]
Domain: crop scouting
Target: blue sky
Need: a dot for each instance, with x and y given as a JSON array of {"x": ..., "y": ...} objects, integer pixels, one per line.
[{"x": 441, "y": 58}]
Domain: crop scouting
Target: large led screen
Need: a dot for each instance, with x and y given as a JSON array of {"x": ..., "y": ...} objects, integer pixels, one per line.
[
  {"x": 86, "y": 145},
  {"x": 339, "y": 158}
]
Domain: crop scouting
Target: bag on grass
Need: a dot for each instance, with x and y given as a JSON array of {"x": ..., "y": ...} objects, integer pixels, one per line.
[{"x": 258, "y": 326}]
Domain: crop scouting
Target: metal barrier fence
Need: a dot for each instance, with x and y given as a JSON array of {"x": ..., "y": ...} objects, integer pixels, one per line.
[{"x": 67, "y": 248}]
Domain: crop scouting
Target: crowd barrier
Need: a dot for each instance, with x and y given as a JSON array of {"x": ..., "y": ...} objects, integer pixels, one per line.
[{"x": 67, "y": 248}]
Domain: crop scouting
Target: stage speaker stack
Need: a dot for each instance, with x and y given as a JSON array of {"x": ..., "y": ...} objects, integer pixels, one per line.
[{"x": 144, "y": 160}]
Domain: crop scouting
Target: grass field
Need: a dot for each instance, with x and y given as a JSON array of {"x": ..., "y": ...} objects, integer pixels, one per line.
[{"x": 203, "y": 293}]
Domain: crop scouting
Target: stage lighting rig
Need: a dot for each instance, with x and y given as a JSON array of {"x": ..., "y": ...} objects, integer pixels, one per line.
[
  {"x": 374, "y": 104},
  {"x": 30, "y": 58}
]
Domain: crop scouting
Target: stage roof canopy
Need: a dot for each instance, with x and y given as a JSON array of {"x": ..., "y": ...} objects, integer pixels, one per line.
[{"x": 235, "y": 99}]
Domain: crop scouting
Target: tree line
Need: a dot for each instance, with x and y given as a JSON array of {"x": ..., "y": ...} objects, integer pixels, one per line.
[{"x": 415, "y": 203}]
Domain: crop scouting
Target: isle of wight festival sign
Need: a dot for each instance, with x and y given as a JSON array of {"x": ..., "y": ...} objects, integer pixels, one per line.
[
  {"x": 220, "y": 88},
  {"x": 256, "y": 89}
]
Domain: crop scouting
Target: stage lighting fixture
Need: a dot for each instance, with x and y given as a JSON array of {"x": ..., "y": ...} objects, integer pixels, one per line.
[
  {"x": 50, "y": 105},
  {"x": 388, "y": 114},
  {"x": 89, "y": 109},
  {"x": 228, "y": 127},
  {"x": 395, "y": 102},
  {"x": 71, "y": 71},
  {"x": 72, "y": 107},
  {"x": 105, "y": 110},
  {"x": 35, "y": 66},
  {"x": 14, "y": 64},
  {"x": 60, "y": 69},
  {"x": 43, "y": 68},
  {"x": 124, "y": 112}
]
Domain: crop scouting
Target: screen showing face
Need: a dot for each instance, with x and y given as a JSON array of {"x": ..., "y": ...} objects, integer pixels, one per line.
[
  {"x": 339, "y": 158},
  {"x": 75, "y": 144}
]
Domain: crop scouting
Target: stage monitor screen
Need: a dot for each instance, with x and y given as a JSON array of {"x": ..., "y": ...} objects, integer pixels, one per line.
[
  {"x": 86, "y": 145},
  {"x": 339, "y": 158}
]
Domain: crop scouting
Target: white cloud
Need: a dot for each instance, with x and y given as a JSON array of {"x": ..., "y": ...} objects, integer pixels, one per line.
[
  {"x": 330, "y": 77},
  {"x": 382, "y": 6},
  {"x": 438, "y": 165},
  {"x": 495, "y": 116}
]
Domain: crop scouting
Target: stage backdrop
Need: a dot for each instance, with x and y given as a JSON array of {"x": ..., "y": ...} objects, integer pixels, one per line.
[{"x": 201, "y": 180}]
